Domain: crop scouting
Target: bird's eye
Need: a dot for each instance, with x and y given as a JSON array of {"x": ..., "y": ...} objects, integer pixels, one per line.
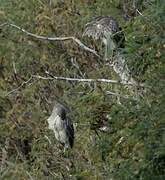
[{"x": 99, "y": 26}]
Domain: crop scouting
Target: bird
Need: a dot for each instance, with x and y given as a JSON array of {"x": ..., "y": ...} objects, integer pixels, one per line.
[
  {"x": 108, "y": 30},
  {"x": 61, "y": 125}
]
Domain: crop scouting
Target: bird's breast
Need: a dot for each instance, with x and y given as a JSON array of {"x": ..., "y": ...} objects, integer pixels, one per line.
[{"x": 58, "y": 124}]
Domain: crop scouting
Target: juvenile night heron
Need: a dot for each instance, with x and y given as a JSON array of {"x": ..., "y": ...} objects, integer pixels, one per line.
[
  {"x": 108, "y": 30},
  {"x": 61, "y": 125}
]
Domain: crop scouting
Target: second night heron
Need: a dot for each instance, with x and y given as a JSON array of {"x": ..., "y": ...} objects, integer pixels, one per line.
[
  {"x": 108, "y": 30},
  {"x": 61, "y": 125}
]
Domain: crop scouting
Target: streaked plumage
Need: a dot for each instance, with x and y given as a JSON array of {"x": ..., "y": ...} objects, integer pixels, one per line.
[
  {"x": 61, "y": 125},
  {"x": 102, "y": 26},
  {"x": 108, "y": 30}
]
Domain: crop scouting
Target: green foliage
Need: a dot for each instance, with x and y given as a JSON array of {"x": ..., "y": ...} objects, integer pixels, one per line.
[{"x": 133, "y": 147}]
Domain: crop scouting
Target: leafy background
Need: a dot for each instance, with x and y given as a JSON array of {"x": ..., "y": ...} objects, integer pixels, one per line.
[{"x": 134, "y": 145}]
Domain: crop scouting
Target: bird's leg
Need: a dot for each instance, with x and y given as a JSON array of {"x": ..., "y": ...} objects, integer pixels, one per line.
[
  {"x": 106, "y": 53},
  {"x": 109, "y": 47},
  {"x": 65, "y": 148}
]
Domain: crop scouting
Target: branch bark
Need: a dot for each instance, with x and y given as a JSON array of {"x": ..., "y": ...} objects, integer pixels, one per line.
[
  {"x": 28, "y": 82},
  {"x": 82, "y": 80},
  {"x": 69, "y": 38}
]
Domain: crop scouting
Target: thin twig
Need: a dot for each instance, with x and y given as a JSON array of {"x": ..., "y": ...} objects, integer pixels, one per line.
[
  {"x": 4, "y": 24},
  {"x": 29, "y": 175},
  {"x": 75, "y": 64},
  {"x": 14, "y": 68},
  {"x": 157, "y": 25},
  {"x": 48, "y": 139},
  {"x": 19, "y": 87},
  {"x": 139, "y": 12},
  {"x": 118, "y": 95},
  {"x": 83, "y": 46}
]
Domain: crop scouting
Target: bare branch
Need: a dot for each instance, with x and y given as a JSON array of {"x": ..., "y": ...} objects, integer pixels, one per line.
[
  {"x": 75, "y": 79},
  {"x": 82, "y": 80},
  {"x": 83, "y": 46}
]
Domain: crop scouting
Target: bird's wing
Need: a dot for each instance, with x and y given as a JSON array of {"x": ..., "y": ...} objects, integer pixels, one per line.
[
  {"x": 101, "y": 25},
  {"x": 70, "y": 131}
]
